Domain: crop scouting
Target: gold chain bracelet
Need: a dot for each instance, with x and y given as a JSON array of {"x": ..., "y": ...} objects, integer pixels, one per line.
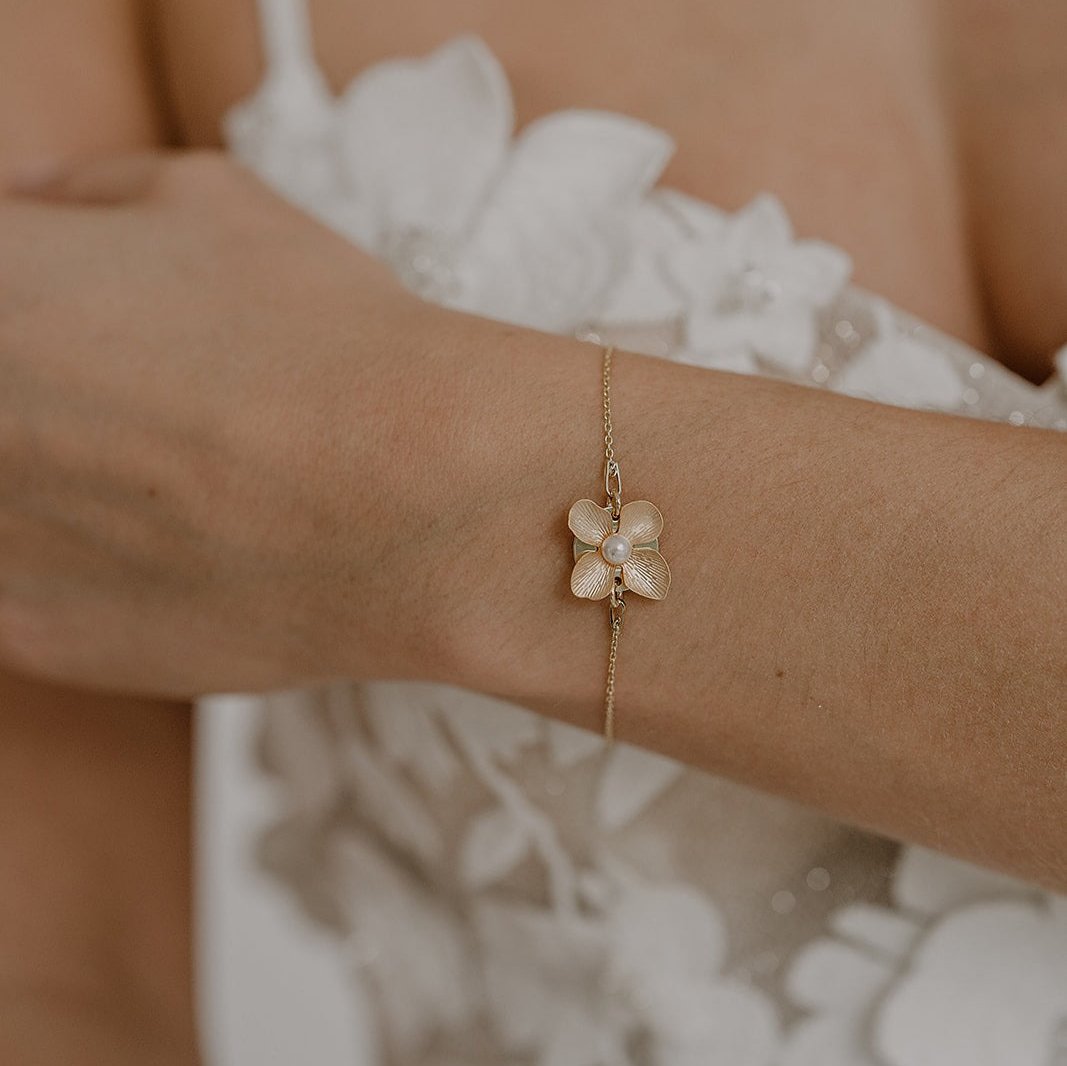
[{"x": 616, "y": 549}]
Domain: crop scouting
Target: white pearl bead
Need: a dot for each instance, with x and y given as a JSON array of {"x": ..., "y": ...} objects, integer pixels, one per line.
[{"x": 616, "y": 549}]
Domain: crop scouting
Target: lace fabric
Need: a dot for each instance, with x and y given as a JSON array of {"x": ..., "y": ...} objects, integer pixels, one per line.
[{"x": 510, "y": 890}]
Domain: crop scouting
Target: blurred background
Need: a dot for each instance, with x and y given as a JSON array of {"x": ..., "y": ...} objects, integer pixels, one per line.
[{"x": 270, "y": 993}]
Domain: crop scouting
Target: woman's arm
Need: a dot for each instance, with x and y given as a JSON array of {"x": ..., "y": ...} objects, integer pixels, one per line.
[
  {"x": 869, "y": 605},
  {"x": 95, "y": 899},
  {"x": 257, "y": 461}
]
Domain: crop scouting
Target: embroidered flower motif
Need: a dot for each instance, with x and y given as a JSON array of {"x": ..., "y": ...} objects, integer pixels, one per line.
[
  {"x": 642, "y": 967},
  {"x": 898, "y": 368},
  {"x": 955, "y": 1009},
  {"x": 756, "y": 290},
  {"x": 644, "y": 293},
  {"x": 921, "y": 984},
  {"x": 629, "y": 551},
  {"x": 417, "y": 163},
  {"x": 390, "y": 918}
]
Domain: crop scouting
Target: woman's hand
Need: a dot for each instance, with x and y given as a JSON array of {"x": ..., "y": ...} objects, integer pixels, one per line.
[{"x": 209, "y": 402}]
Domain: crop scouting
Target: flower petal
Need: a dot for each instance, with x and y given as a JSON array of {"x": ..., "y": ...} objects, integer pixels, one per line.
[
  {"x": 899, "y": 370},
  {"x": 827, "y": 1040},
  {"x": 592, "y": 576},
  {"x": 785, "y": 337},
  {"x": 568, "y": 745},
  {"x": 699, "y": 219},
  {"x": 717, "y": 333},
  {"x": 640, "y": 522},
  {"x": 631, "y": 781},
  {"x": 552, "y": 235},
  {"x": 933, "y": 884},
  {"x": 758, "y": 231},
  {"x": 812, "y": 272},
  {"x": 656, "y": 931},
  {"x": 701, "y": 270},
  {"x": 574, "y": 162},
  {"x": 736, "y": 361},
  {"x": 646, "y": 573},
  {"x": 834, "y": 976},
  {"x": 953, "y": 1006},
  {"x": 589, "y": 522},
  {"x": 710, "y": 1023},
  {"x": 423, "y": 139},
  {"x": 643, "y": 291},
  {"x": 876, "y": 929}
]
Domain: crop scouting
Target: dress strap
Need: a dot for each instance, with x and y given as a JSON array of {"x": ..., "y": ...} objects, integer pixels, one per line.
[{"x": 286, "y": 29}]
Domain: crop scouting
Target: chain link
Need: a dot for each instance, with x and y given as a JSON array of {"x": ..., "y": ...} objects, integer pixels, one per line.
[
  {"x": 612, "y": 475},
  {"x": 613, "y": 491},
  {"x": 616, "y": 610},
  {"x": 609, "y": 442}
]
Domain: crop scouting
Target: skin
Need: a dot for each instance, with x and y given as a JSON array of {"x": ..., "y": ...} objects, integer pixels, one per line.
[
  {"x": 193, "y": 500},
  {"x": 94, "y": 916},
  {"x": 947, "y": 150},
  {"x": 94, "y": 924}
]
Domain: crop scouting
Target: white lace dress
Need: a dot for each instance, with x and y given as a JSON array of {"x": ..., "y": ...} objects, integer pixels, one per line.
[{"x": 508, "y": 890}]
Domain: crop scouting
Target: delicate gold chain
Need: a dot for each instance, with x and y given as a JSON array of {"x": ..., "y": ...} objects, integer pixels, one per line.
[
  {"x": 612, "y": 477},
  {"x": 616, "y": 606},
  {"x": 609, "y": 442},
  {"x": 613, "y": 654},
  {"x": 615, "y": 554}
]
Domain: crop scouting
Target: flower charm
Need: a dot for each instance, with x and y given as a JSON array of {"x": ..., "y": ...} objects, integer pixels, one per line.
[{"x": 603, "y": 551}]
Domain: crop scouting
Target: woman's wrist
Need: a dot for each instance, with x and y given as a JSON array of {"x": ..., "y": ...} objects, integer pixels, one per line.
[
  {"x": 511, "y": 433},
  {"x": 824, "y": 553},
  {"x": 489, "y": 424},
  {"x": 447, "y": 478}
]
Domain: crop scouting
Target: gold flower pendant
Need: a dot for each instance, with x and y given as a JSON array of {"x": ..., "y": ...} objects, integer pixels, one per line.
[{"x": 620, "y": 553}]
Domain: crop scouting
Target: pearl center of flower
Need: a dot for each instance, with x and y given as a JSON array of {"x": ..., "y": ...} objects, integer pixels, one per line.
[{"x": 616, "y": 549}]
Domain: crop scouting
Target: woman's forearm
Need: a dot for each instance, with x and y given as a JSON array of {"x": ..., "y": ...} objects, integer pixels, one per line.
[{"x": 869, "y": 605}]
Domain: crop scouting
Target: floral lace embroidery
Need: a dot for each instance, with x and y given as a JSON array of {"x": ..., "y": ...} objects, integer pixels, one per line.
[{"x": 968, "y": 967}]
